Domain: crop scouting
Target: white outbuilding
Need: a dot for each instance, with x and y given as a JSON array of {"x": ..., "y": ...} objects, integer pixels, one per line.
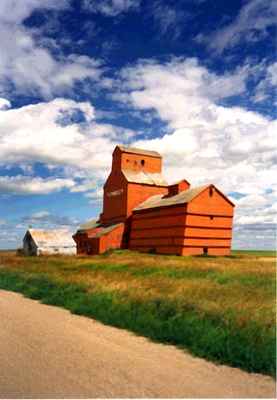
[{"x": 38, "y": 242}]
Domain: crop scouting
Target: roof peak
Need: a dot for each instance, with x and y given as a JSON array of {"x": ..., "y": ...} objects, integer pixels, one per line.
[
  {"x": 185, "y": 196},
  {"x": 136, "y": 150},
  {"x": 50, "y": 237},
  {"x": 162, "y": 201},
  {"x": 47, "y": 230}
]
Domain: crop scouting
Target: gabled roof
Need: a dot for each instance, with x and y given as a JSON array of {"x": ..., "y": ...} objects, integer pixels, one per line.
[
  {"x": 100, "y": 231},
  {"x": 51, "y": 238},
  {"x": 91, "y": 224},
  {"x": 181, "y": 198},
  {"x": 144, "y": 177},
  {"x": 134, "y": 150},
  {"x": 160, "y": 201},
  {"x": 103, "y": 230}
]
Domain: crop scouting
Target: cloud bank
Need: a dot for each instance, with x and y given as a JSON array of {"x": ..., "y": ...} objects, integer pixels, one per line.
[
  {"x": 205, "y": 141},
  {"x": 26, "y": 66},
  {"x": 71, "y": 152}
]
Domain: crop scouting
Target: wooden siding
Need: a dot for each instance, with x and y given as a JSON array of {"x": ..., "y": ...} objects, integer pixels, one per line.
[
  {"x": 209, "y": 232},
  {"x": 111, "y": 240},
  {"x": 172, "y": 231},
  {"x": 207, "y": 221},
  {"x": 115, "y": 198},
  {"x": 210, "y": 203},
  {"x": 149, "y": 223},
  {"x": 202, "y": 226},
  {"x": 160, "y": 231},
  {"x": 158, "y": 212},
  {"x": 194, "y": 251},
  {"x": 138, "y": 193},
  {"x": 207, "y": 242}
]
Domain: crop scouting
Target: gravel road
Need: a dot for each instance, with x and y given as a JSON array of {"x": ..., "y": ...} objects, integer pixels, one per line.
[{"x": 46, "y": 352}]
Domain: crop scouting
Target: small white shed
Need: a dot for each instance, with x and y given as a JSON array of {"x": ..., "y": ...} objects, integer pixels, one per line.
[{"x": 43, "y": 242}]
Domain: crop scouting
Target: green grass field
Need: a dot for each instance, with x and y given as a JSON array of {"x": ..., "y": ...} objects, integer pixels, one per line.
[
  {"x": 261, "y": 253},
  {"x": 220, "y": 308}
]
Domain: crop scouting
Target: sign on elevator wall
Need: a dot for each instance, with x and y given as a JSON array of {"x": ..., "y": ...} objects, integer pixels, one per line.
[{"x": 115, "y": 193}]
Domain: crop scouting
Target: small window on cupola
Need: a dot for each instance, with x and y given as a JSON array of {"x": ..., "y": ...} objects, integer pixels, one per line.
[
  {"x": 142, "y": 162},
  {"x": 211, "y": 191}
]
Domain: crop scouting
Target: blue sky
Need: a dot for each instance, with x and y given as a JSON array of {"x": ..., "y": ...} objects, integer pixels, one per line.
[{"x": 192, "y": 79}]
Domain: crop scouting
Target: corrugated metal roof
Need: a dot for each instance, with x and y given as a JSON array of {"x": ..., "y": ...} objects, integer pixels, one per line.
[
  {"x": 100, "y": 231},
  {"x": 91, "y": 224},
  {"x": 106, "y": 230},
  {"x": 160, "y": 201},
  {"x": 135, "y": 150},
  {"x": 52, "y": 238},
  {"x": 144, "y": 177}
]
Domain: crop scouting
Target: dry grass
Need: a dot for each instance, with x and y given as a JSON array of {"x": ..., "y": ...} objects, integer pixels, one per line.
[
  {"x": 221, "y": 308},
  {"x": 243, "y": 285}
]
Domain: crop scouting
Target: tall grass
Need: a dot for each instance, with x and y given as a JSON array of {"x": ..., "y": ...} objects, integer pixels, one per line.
[{"x": 219, "y": 308}]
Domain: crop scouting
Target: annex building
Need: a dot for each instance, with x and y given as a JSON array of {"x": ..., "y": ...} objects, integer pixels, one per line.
[
  {"x": 142, "y": 212},
  {"x": 37, "y": 242}
]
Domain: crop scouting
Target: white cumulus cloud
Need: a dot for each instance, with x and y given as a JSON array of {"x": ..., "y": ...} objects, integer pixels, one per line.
[
  {"x": 4, "y": 104},
  {"x": 206, "y": 142},
  {"x": 250, "y": 25},
  {"x": 20, "y": 184},
  {"x": 267, "y": 86},
  {"x": 79, "y": 151},
  {"x": 27, "y": 66}
]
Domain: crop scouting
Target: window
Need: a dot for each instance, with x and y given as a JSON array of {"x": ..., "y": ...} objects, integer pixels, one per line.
[
  {"x": 211, "y": 192},
  {"x": 142, "y": 162},
  {"x": 205, "y": 251},
  {"x": 211, "y": 217}
]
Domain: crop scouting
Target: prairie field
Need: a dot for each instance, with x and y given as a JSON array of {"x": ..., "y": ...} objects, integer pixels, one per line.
[{"x": 219, "y": 308}]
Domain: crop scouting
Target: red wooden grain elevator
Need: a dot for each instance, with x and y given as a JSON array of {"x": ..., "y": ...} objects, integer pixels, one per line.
[{"x": 142, "y": 212}]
